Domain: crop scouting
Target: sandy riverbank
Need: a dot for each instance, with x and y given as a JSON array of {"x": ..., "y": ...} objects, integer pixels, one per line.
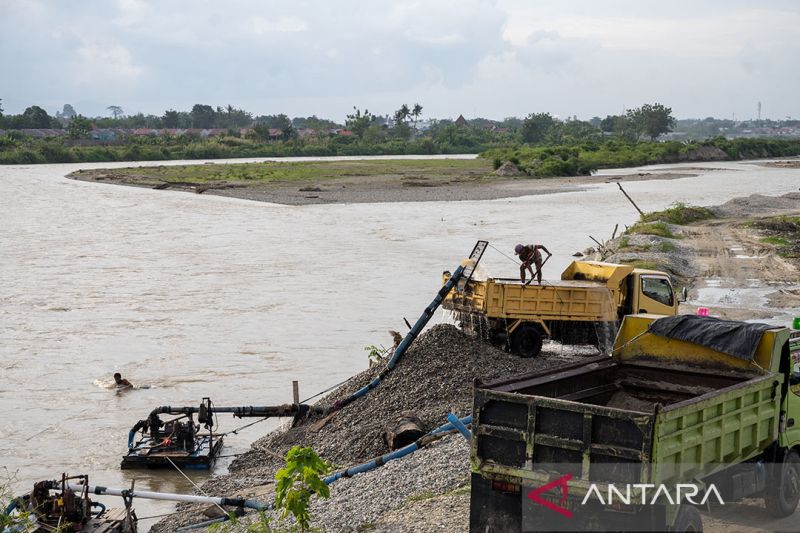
[{"x": 356, "y": 181}]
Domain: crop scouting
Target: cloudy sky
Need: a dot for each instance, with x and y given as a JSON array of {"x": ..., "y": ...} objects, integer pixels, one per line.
[{"x": 480, "y": 58}]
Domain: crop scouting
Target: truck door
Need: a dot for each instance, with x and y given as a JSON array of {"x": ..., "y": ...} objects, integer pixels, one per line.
[
  {"x": 655, "y": 295},
  {"x": 791, "y": 406}
]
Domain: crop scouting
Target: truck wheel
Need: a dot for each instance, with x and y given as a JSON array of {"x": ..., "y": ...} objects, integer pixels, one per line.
[
  {"x": 527, "y": 341},
  {"x": 783, "y": 486},
  {"x": 688, "y": 520}
]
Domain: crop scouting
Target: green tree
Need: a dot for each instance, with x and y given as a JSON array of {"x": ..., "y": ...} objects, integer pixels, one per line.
[
  {"x": 36, "y": 117},
  {"x": 358, "y": 122},
  {"x": 577, "y": 131},
  {"x": 652, "y": 120},
  {"x": 620, "y": 125},
  {"x": 284, "y": 124},
  {"x": 401, "y": 128},
  {"x": 170, "y": 118},
  {"x": 538, "y": 127},
  {"x": 79, "y": 127},
  {"x": 416, "y": 112},
  {"x": 298, "y": 481},
  {"x": 202, "y": 116},
  {"x": 115, "y": 110}
]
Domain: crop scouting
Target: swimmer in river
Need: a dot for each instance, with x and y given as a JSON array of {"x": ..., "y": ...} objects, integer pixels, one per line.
[{"x": 122, "y": 383}]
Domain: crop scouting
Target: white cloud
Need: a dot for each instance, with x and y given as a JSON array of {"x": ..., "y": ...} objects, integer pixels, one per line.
[
  {"x": 486, "y": 57},
  {"x": 107, "y": 64},
  {"x": 283, "y": 24}
]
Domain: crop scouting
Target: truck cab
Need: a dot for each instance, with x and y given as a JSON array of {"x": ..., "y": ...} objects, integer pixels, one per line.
[{"x": 649, "y": 292}]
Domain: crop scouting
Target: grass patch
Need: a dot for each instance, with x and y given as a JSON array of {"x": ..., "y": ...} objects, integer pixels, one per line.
[
  {"x": 782, "y": 232},
  {"x": 644, "y": 265},
  {"x": 775, "y": 241},
  {"x": 465, "y": 489},
  {"x": 679, "y": 214},
  {"x": 624, "y": 242},
  {"x": 270, "y": 171},
  {"x": 653, "y": 228},
  {"x": 424, "y": 495}
]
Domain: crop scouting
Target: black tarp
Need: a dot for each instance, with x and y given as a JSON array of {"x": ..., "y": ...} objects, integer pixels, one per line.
[{"x": 739, "y": 339}]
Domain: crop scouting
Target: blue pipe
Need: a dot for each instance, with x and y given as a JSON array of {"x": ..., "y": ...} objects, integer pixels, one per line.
[
  {"x": 459, "y": 426},
  {"x": 131, "y": 436},
  {"x": 358, "y": 469},
  {"x": 397, "y": 454},
  {"x": 407, "y": 340}
]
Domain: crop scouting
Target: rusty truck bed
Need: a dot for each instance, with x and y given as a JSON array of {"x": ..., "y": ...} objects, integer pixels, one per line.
[{"x": 611, "y": 420}]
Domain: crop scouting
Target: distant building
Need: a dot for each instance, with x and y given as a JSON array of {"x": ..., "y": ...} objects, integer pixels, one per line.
[{"x": 461, "y": 121}]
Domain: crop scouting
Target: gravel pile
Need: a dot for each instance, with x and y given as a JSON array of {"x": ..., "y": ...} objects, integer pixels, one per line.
[
  {"x": 364, "y": 499},
  {"x": 434, "y": 378},
  {"x": 757, "y": 204}
]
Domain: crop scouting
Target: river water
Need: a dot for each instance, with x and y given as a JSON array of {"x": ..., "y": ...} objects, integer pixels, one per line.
[{"x": 210, "y": 296}]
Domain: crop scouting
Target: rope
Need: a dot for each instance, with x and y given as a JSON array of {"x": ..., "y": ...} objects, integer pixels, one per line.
[
  {"x": 630, "y": 341},
  {"x": 326, "y": 390},
  {"x": 237, "y": 430},
  {"x": 157, "y": 515},
  {"x": 516, "y": 262},
  {"x": 195, "y": 485}
]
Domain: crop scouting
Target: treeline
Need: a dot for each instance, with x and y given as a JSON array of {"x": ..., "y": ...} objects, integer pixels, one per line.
[
  {"x": 200, "y": 116},
  {"x": 444, "y": 139},
  {"x": 540, "y": 144},
  {"x": 578, "y": 159}
]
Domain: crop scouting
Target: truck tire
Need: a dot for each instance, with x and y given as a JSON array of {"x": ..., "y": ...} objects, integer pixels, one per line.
[
  {"x": 688, "y": 520},
  {"x": 783, "y": 486},
  {"x": 526, "y": 341}
]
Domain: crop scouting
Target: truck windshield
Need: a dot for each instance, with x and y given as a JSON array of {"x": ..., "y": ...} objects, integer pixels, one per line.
[{"x": 658, "y": 289}]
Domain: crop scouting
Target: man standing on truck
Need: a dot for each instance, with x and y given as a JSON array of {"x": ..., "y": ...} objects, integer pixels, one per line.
[{"x": 529, "y": 255}]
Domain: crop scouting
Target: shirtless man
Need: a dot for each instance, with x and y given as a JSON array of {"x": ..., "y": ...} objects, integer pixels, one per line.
[
  {"x": 122, "y": 383},
  {"x": 529, "y": 255}
]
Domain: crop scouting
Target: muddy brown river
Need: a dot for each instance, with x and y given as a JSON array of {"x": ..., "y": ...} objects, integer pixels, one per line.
[{"x": 197, "y": 296}]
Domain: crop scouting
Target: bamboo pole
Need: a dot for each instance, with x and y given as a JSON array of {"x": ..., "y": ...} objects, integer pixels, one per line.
[{"x": 630, "y": 199}]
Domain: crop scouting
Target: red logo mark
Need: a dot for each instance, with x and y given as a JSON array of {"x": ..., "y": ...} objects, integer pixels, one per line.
[{"x": 560, "y": 482}]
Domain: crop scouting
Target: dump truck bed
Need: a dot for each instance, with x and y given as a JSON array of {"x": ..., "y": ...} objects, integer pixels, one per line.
[
  {"x": 553, "y": 300},
  {"x": 643, "y": 416},
  {"x": 612, "y": 420}
]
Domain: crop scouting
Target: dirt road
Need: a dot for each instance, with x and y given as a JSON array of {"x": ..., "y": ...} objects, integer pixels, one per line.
[{"x": 741, "y": 276}]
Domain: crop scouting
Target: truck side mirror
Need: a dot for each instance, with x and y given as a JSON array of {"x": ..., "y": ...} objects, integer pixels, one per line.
[{"x": 684, "y": 295}]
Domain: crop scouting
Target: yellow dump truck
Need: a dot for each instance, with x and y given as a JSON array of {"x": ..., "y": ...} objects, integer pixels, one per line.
[{"x": 584, "y": 307}]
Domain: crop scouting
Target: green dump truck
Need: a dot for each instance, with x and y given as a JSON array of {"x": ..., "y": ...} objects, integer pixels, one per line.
[
  {"x": 708, "y": 406},
  {"x": 583, "y": 307}
]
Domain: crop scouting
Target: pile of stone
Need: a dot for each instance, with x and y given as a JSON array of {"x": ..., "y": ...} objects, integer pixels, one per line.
[{"x": 434, "y": 378}]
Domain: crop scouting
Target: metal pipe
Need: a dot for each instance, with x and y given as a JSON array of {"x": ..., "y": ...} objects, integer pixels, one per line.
[
  {"x": 168, "y": 496},
  {"x": 241, "y": 411}
]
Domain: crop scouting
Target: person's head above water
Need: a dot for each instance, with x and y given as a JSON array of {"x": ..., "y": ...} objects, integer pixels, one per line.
[
  {"x": 118, "y": 377},
  {"x": 518, "y": 249}
]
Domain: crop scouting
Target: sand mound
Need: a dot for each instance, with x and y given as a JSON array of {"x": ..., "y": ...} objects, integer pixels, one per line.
[
  {"x": 508, "y": 169},
  {"x": 757, "y": 204}
]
